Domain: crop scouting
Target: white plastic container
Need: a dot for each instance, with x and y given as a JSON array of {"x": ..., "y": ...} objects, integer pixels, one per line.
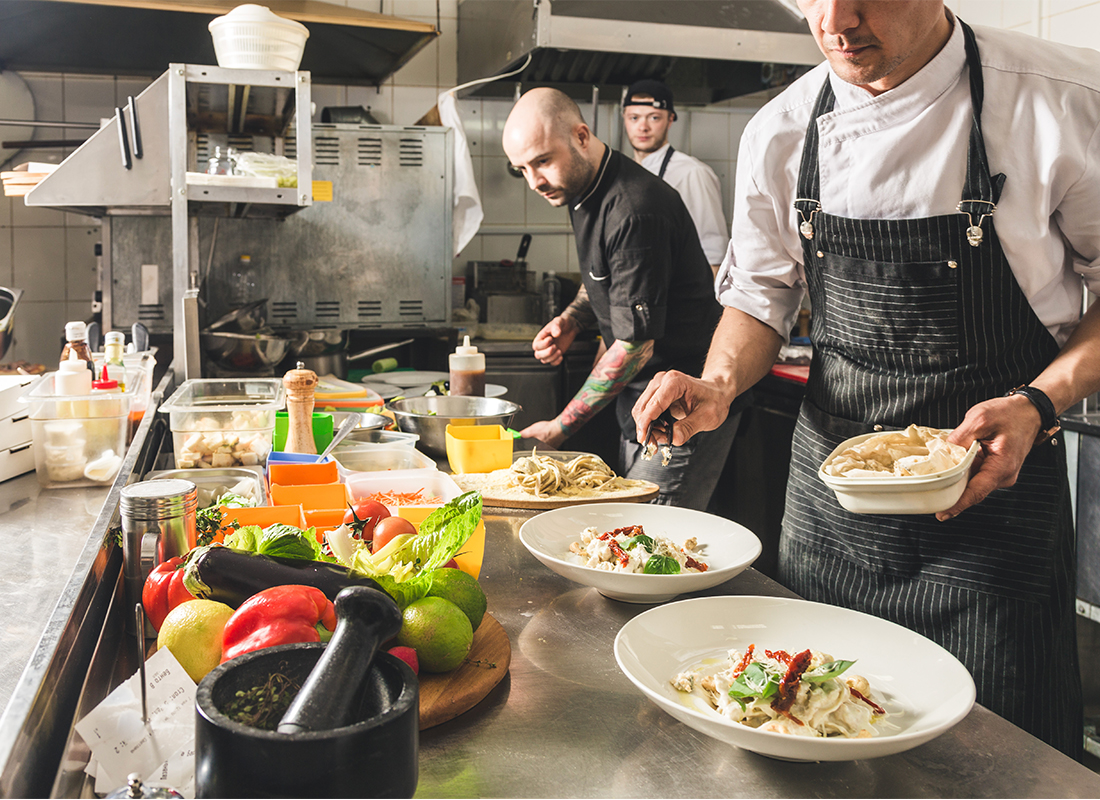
[
  {"x": 381, "y": 458},
  {"x": 432, "y": 483},
  {"x": 223, "y": 422},
  {"x": 251, "y": 36},
  {"x": 79, "y": 440},
  {"x": 892, "y": 494}
]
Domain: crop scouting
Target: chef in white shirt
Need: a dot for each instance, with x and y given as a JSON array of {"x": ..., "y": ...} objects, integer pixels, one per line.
[
  {"x": 936, "y": 191},
  {"x": 648, "y": 114}
]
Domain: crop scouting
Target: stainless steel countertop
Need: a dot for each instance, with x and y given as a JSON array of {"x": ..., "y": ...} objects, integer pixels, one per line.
[
  {"x": 43, "y": 533},
  {"x": 566, "y": 722}
]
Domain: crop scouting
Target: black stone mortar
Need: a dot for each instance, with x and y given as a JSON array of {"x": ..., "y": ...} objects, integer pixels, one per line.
[{"x": 376, "y": 756}]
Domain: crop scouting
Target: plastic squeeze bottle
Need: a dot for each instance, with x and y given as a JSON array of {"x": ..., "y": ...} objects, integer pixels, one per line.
[
  {"x": 467, "y": 370},
  {"x": 114, "y": 343},
  {"x": 76, "y": 340}
]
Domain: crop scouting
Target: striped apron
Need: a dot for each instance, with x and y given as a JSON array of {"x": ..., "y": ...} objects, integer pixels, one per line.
[{"x": 914, "y": 323}]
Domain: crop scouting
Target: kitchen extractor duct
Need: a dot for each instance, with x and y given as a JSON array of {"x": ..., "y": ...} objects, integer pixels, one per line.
[{"x": 707, "y": 51}]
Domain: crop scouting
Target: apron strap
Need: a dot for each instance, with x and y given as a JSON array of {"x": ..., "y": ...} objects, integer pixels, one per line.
[{"x": 664, "y": 164}]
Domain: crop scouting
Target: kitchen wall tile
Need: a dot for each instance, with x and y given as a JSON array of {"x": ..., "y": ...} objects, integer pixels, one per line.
[
  {"x": 410, "y": 103},
  {"x": 5, "y": 257},
  {"x": 539, "y": 212},
  {"x": 448, "y": 52},
  {"x": 80, "y": 263},
  {"x": 1017, "y": 13},
  {"x": 980, "y": 12},
  {"x": 23, "y": 215},
  {"x": 80, "y": 221},
  {"x": 378, "y": 100},
  {"x": 469, "y": 111},
  {"x": 1054, "y": 7},
  {"x": 411, "y": 9},
  {"x": 374, "y": 6},
  {"x": 5, "y": 210},
  {"x": 49, "y": 98},
  {"x": 738, "y": 120},
  {"x": 501, "y": 194},
  {"x": 38, "y": 262},
  {"x": 76, "y": 310},
  {"x": 1077, "y": 27},
  {"x": 39, "y": 329},
  {"x": 423, "y": 68},
  {"x": 679, "y": 133},
  {"x": 323, "y": 95},
  {"x": 572, "y": 264},
  {"x": 724, "y": 171},
  {"x": 710, "y": 135},
  {"x": 547, "y": 254},
  {"x": 125, "y": 87},
  {"x": 88, "y": 98}
]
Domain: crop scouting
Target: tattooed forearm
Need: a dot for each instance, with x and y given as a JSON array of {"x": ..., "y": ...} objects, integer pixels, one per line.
[
  {"x": 580, "y": 312},
  {"x": 619, "y": 365}
]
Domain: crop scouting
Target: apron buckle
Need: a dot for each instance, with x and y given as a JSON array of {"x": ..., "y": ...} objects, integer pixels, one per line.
[
  {"x": 974, "y": 232},
  {"x": 806, "y": 227}
]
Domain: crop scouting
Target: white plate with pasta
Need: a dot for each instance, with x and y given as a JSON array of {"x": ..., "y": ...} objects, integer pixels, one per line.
[
  {"x": 554, "y": 479},
  {"x": 923, "y": 689},
  {"x": 723, "y": 546}
]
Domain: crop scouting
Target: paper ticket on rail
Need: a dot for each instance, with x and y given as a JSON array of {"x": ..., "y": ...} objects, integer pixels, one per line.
[{"x": 160, "y": 750}]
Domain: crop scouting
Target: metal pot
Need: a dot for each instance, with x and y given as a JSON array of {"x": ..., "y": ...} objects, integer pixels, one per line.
[{"x": 325, "y": 352}]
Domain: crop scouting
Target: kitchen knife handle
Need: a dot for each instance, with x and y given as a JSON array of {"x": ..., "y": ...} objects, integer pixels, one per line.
[
  {"x": 524, "y": 244},
  {"x": 135, "y": 129},
  {"x": 123, "y": 143}
]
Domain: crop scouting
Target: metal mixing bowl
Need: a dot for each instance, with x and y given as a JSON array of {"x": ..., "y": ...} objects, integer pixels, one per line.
[
  {"x": 247, "y": 352},
  {"x": 429, "y": 417}
]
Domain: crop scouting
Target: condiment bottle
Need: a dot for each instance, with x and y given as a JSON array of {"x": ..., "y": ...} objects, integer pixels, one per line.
[
  {"x": 467, "y": 370},
  {"x": 300, "y": 383},
  {"x": 114, "y": 344},
  {"x": 76, "y": 339},
  {"x": 73, "y": 379}
]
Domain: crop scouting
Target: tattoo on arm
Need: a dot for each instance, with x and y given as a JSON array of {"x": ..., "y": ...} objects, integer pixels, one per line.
[
  {"x": 580, "y": 312},
  {"x": 619, "y": 365}
]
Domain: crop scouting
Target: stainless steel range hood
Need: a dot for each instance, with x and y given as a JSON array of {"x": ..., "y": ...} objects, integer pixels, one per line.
[{"x": 706, "y": 50}]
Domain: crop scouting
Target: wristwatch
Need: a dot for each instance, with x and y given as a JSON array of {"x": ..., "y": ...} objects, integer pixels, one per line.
[{"x": 1049, "y": 424}]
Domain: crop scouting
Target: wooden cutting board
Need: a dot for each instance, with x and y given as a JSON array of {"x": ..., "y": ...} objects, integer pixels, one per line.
[{"x": 443, "y": 697}]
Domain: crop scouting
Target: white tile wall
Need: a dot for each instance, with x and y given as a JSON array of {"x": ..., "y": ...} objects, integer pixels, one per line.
[{"x": 47, "y": 252}]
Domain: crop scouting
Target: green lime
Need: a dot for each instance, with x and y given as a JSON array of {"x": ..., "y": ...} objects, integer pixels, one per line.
[
  {"x": 192, "y": 632},
  {"x": 439, "y": 632},
  {"x": 461, "y": 589}
]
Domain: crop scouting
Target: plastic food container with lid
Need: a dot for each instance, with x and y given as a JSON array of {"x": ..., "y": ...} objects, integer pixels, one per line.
[{"x": 221, "y": 422}]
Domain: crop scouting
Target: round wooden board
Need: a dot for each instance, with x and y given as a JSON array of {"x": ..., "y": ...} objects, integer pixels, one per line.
[
  {"x": 639, "y": 495},
  {"x": 444, "y": 696}
]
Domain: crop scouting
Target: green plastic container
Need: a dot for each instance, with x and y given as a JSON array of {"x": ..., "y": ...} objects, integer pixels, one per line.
[{"x": 322, "y": 430}]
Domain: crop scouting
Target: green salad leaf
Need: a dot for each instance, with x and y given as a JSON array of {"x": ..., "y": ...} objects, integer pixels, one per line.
[
  {"x": 661, "y": 565},
  {"x": 756, "y": 681},
  {"x": 281, "y": 540},
  {"x": 643, "y": 540},
  {"x": 827, "y": 671}
]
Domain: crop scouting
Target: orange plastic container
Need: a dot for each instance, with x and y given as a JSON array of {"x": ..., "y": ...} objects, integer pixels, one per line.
[
  {"x": 471, "y": 554},
  {"x": 324, "y": 520},
  {"x": 316, "y": 496},
  {"x": 304, "y": 474},
  {"x": 262, "y": 516}
]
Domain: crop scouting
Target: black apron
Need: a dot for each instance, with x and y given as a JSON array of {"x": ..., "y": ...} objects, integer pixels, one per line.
[
  {"x": 914, "y": 323},
  {"x": 664, "y": 163}
]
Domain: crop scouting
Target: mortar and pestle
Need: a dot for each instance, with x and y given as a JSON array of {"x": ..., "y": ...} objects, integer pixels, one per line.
[{"x": 351, "y": 731}]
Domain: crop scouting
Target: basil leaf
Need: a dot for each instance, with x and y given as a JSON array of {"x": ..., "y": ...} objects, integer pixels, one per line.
[
  {"x": 661, "y": 565},
  {"x": 827, "y": 671},
  {"x": 644, "y": 541},
  {"x": 755, "y": 681}
]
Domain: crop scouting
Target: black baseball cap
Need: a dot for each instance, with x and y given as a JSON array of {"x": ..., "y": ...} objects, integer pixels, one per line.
[{"x": 661, "y": 94}]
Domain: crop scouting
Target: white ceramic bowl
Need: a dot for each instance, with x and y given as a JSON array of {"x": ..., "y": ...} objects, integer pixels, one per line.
[
  {"x": 890, "y": 494},
  {"x": 724, "y": 546},
  {"x": 925, "y": 688}
]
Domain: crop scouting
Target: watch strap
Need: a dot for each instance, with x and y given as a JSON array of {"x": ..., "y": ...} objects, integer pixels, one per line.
[{"x": 1049, "y": 424}]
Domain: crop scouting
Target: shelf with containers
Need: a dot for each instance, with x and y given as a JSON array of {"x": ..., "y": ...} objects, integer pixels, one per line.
[{"x": 150, "y": 158}]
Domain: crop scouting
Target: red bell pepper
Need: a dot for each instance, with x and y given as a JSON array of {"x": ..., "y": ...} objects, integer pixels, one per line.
[
  {"x": 164, "y": 590},
  {"x": 279, "y": 615}
]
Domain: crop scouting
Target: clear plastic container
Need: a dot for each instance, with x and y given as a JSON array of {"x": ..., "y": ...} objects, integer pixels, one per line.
[
  {"x": 213, "y": 483},
  {"x": 435, "y": 487},
  {"x": 376, "y": 438},
  {"x": 79, "y": 440},
  {"x": 381, "y": 458},
  {"x": 220, "y": 422}
]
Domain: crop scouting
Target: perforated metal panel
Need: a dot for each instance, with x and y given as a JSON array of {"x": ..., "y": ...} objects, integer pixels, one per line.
[{"x": 377, "y": 256}]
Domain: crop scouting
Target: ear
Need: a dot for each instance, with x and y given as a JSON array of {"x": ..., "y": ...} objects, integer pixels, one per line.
[{"x": 583, "y": 135}]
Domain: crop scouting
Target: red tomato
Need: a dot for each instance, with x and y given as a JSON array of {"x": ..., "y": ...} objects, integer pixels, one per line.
[
  {"x": 389, "y": 528},
  {"x": 363, "y": 516}
]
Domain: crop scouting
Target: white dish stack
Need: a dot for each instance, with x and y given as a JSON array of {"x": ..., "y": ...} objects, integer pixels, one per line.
[{"x": 253, "y": 37}]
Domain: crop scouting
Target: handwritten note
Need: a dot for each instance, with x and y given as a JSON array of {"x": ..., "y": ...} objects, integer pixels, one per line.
[{"x": 161, "y": 749}]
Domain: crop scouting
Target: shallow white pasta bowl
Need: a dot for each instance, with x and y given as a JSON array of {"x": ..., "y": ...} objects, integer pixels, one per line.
[
  {"x": 894, "y": 494},
  {"x": 924, "y": 688},
  {"x": 724, "y": 546}
]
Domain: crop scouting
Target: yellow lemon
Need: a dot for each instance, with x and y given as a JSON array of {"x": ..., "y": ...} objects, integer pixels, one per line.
[{"x": 192, "y": 631}]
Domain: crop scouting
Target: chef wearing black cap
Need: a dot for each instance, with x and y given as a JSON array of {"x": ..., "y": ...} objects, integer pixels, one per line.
[{"x": 648, "y": 114}]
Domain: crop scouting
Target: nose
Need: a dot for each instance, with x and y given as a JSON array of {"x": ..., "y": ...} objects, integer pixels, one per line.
[
  {"x": 839, "y": 16},
  {"x": 534, "y": 178}
]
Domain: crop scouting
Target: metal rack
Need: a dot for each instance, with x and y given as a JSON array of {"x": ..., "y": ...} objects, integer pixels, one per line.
[{"x": 137, "y": 164}]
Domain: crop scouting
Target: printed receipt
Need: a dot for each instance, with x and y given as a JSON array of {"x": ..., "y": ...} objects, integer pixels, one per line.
[{"x": 162, "y": 750}]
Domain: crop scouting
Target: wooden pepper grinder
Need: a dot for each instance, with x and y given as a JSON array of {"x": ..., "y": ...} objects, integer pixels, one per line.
[{"x": 300, "y": 385}]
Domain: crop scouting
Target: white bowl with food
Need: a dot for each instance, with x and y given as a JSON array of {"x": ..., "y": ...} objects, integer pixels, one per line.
[
  {"x": 915, "y": 471},
  {"x": 923, "y": 689},
  {"x": 721, "y": 545}
]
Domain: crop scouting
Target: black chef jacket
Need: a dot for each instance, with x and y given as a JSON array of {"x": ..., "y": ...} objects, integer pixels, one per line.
[{"x": 643, "y": 266}]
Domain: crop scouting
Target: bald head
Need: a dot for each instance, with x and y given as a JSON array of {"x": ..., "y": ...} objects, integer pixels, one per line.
[{"x": 547, "y": 139}]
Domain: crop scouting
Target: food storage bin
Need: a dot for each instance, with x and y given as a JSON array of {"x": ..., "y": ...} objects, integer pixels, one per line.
[
  {"x": 435, "y": 488},
  {"x": 262, "y": 516},
  {"x": 478, "y": 448},
  {"x": 213, "y": 483},
  {"x": 380, "y": 458},
  {"x": 376, "y": 437},
  {"x": 219, "y": 422},
  {"x": 79, "y": 440},
  {"x": 325, "y": 495},
  {"x": 292, "y": 474}
]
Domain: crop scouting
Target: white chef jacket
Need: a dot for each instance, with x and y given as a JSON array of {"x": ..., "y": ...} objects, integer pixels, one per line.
[
  {"x": 701, "y": 192},
  {"x": 902, "y": 155}
]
